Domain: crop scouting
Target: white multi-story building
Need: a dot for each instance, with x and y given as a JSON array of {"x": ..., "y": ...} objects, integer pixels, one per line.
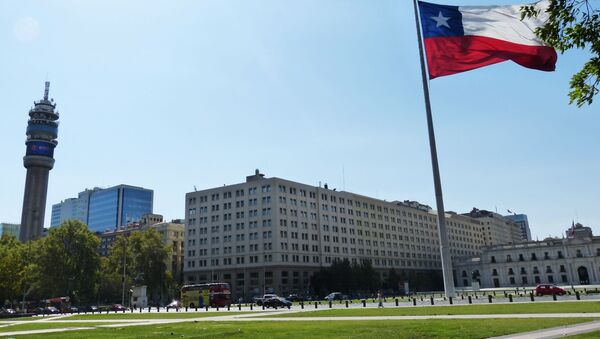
[
  {"x": 272, "y": 234},
  {"x": 496, "y": 228},
  {"x": 573, "y": 260}
]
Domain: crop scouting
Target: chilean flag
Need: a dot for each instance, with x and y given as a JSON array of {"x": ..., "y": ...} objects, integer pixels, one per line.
[{"x": 462, "y": 38}]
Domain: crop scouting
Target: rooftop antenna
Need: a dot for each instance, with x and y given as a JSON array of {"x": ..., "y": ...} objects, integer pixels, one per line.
[
  {"x": 195, "y": 189},
  {"x": 46, "y": 90}
]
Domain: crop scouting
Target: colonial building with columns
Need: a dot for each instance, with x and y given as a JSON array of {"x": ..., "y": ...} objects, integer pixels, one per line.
[{"x": 572, "y": 260}]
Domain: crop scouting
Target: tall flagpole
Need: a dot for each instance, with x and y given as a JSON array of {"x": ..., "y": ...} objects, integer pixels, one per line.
[{"x": 443, "y": 234}]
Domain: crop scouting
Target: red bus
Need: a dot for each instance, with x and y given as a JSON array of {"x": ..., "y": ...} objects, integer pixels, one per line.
[{"x": 202, "y": 295}]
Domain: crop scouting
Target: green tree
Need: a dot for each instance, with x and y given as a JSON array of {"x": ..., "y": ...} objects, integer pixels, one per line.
[
  {"x": 574, "y": 24},
  {"x": 144, "y": 256},
  {"x": 11, "y": 269},
  {"x": 68, "y": 262},
  {"x": 149, "y": 256}
]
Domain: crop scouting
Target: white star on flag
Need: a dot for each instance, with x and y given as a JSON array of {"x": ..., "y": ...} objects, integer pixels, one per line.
[{"x": 441, "y": 20}]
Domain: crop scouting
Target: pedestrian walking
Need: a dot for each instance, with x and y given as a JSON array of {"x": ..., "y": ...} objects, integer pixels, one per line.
[{"x": 380, "y": 299}]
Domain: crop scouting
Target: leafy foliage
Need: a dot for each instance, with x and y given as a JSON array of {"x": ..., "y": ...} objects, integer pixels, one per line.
[
  {"x": 574, "y": 24},
  {"x": 68, "y": 261}
]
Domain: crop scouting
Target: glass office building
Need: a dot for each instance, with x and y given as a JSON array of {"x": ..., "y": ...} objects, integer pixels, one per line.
[
  {"x": 10, "y": 229},
  {"x": 107, "y": 209}
]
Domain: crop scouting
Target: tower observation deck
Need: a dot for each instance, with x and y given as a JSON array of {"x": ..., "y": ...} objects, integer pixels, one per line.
[{"x": 42, "y": 131}]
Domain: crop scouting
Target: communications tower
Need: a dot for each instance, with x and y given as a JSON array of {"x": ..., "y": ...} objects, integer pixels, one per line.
[{"x": 42, "y": 131}]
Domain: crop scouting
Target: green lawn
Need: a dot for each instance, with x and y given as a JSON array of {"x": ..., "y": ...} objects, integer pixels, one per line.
[
  {"x": 43, "y": 325},
  {"x": 170, "y": 315},
  {"x": 517, "y": 308},
  {"x": 330, "y": 329}
]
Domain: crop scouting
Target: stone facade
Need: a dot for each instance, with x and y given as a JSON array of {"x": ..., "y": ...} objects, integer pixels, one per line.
[
  {"x": 272, "y": 234},
  {"x": 573, "y": 260}
]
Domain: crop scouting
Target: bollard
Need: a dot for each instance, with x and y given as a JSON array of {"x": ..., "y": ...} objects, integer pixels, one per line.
[
  {"x": 217, "y": 308},
  {"x": 554, "y": 296},
  {"x": 251, "y": 307},
  {"x": 206, "y": 308},
  {"x": 316, "y": 305},
  {"x": 531, "y": 296},
  {"x": 140, "y": 310},
  {"x": 470, "y": 300},
  {"x": 510, "y": 298},
  {"x": 239, "y": 307},
  {"x": 329, "y": 303},
  {"x": 450, "y": 300},
  {"x": 396, "y": 301},
  {"x": 577, "y": 295},
  {"x": 263, "y": 305},
  {"x": 346, "y": 303},
  {"x": 364, "y": 302},
  {"x": 228, "y": 307},
  {"x": 414, "y": 302},
  {"x": 490, "y": 298},
  {"x": 431, "y": 300},
  {"x": 302, "y": 304}
]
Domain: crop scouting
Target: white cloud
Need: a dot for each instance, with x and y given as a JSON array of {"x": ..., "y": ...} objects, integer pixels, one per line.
[{"x": 26, "y": 29}]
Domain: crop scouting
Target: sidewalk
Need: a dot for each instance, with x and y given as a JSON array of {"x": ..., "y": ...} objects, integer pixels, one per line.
[{"x": 556, "y": 332}]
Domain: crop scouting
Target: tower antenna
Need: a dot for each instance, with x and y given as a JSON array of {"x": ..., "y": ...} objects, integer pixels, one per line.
[{"x": 46, "y": 90}]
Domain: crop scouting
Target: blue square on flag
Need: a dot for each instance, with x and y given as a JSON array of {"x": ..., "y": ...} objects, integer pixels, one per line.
[{"x": 440, "y": 20}]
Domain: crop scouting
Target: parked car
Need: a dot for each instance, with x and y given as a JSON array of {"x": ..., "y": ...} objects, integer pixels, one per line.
[
  {"x": 89, "y": 309},
  {"x": 7, "y": 311},
  {"x": 117, "y": 307},
  {"x": 69, "y": 309},
  {"x": 277, "y": 302},
  {"x": 336, "y": 296},
  {"x": 259, "y": 301},
  {"x": 295, "y": 297},
  {"x": 175, "y": 304},
  {"x": 50, "y": 310},
  {"x": 549, "y": 289}
]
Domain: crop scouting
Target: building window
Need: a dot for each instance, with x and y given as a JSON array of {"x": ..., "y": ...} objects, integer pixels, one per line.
[
  {"x": 533, "y": 256},
  {"x": 550, "y": 279},
  {"x": 537, "y": 279},
  {"x": 579, "y": 254},
  {"x": 521, "y": 257},
  {"x": 512, "y": 280},
  {"x": 560, "y": 255},
  {"x": 564, "y": 278},
  {"x": 493, "y": 259}
]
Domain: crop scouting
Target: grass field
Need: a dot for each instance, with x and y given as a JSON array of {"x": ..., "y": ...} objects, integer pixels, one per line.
[
  {"x": 341, "y": 329},
  {"x": 43, "y": 325},
  {"x": 542, "y": 307},
  {"x": 171, "y": 315}
]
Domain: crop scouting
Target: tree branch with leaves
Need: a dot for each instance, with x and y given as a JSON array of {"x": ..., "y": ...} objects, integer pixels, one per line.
[{"x": 574, "y": 24}]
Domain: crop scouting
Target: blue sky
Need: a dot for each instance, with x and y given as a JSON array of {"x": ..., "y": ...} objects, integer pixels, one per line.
[{"x": 172, "y": 94}]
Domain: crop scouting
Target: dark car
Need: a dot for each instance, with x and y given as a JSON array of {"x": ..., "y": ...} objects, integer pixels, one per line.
[
  {"x": 549, "y": 289},
  {"x": 69, "y": 309},
  {"x": 7, "y": 311},
  {"x": 117, "y": 307},
  {"x": 295, "y": 297},
  {"x": 51, "y": 310},
  {"x": 277, "y": 302},
  {"x": 89, "y": 309}
]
